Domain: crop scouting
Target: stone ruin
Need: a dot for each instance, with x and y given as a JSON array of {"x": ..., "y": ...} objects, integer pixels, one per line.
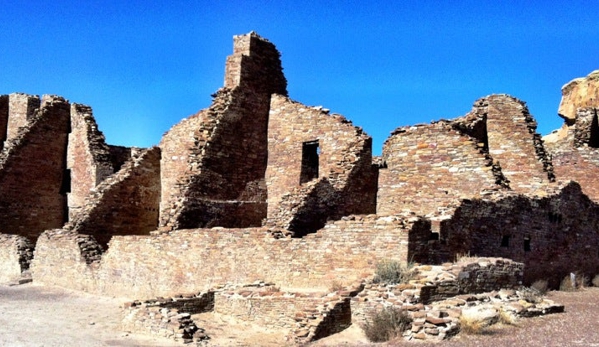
[{"x": 258, "y": 188}]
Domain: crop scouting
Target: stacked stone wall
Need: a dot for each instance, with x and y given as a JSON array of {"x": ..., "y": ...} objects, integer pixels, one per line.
[
  {"x": 21, "y": 111},
  {"x": 146, "y": 266},
  {"x": 16, "y": 253},
  {"x": 220, "y": 154},
  {"x": 346, "y": 180},
  {"x": 514, "y": 143},
  {"x": 125, "y": 203},
  {"x": 553, "y": 235},
  {"x": 429, "y": 168},
  {"x": 32, "y": 172},
  {"x": 88, "y": 157}
]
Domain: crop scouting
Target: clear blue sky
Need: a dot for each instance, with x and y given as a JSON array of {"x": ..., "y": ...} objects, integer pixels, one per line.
[{"x": 145, "y": 65}]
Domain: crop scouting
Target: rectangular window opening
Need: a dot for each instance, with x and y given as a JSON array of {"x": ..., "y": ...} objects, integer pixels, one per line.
[
  {"x": 65, "y": 187},
  {"x": 505, "y": 241},
  {"x": 310, "y": 154},
  {"x": 527, "y": 244}
]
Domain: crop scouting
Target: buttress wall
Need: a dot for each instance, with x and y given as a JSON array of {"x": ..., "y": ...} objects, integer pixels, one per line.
[
  {"x": 125, "y": 203},
  {"x": 88, "y": 157},
  {"x": 214, "y": 162},
  {"x": 33, "y": 184},
  {"x": 319, "y": 167}
]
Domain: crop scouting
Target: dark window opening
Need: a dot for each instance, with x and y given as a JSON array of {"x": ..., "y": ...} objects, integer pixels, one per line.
[
  {"x": 310, "y": 152},
  {"x": 555, "y": 217},
  {"x": 527, "y": 244},
  {"x": 433, "y": 236},
  {"x": 65, "y": 186},
  {"x": 594, "y": 136},
  {"x": 505, "y": 241}
]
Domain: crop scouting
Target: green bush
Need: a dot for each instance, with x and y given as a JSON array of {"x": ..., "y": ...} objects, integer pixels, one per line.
[
  {"x": 391, "y": 272},
  {"x": 386, "y": 324}
]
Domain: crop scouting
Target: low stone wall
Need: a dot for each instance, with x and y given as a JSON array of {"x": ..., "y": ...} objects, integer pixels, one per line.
[
  {"x": 15, "y": 255},
  {"x": 344, "y": 252}
]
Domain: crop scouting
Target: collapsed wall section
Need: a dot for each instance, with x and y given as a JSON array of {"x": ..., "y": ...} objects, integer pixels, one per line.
[
  {"x": 146, "y": 266},
  {"x": 88, "y": 157},
  {"x": 214, "y": 162},
  {"x": 552, "y": 235},
  {"x": 429, "y": 168},
  {"x": 33, "y": 171},
  {"x": 16, "y": 253},
  {"x": 125, "y": 203},
  {"x": 319, "y": 167}
]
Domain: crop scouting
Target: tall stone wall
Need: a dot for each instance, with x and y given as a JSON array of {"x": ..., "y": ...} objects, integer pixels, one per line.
[
  {"x": 219, "y": 155},
  {"x": 343, "y": 167},
  {"x": 21, "y": 111},
  {"x": 429, "y": 168},
  {"x": 145, "y": 266},
  {"x": 88, "y": 157},
  {"x": 3, "y": 119},
  {"x": 514, "y": 143},
  {"x": 552, "y": 235},
  {"x": 125, "y": 203},
  {"x": 32, "y": 172}
]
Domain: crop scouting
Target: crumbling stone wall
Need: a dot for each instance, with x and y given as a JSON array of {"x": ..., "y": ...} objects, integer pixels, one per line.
[
  {"x": 552, "y": 235},
  {"x": 32, "y": 170},
  {"x": 88, "y": 157},
  {"x": 125, "y": 203},
  {"x": 15, "y": 256},
  {"x": 21, "y": 112},
  {"x": 514, "y": 143},
  {"x": 429, "y": 168},
  {"x": 216, "y": 159},
  {"x": 147, "y": 266},
  {"x": 493, "y": 147},
  {"x": 344, "y": 181}
]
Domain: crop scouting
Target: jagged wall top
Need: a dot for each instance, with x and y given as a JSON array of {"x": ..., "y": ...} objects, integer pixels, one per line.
[{"x": 255, "y": 64}]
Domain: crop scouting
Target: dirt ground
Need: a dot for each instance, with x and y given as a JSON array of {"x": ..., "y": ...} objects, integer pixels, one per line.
[{"x": 32, "y": 315}]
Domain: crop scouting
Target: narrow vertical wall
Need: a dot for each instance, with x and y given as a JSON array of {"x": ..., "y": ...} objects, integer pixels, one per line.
[
  {"x": 214, "y": 162},
  {"x": 88, "y": 157},
  {"x": 32, "y": 169},
  {"x": 21, "y": 111}
]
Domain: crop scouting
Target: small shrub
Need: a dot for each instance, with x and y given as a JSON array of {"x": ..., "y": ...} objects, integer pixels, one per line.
[
  {"x": 530, "y": 295},
  {"x": 540, "y": 286},
  {"x": 386, "y": 324},
  {"x": 391, "y": 272},
  {"x": 596, "y": 281},
  {"x": 336, "y": 286},
  {"x": 472, "y": 326},
  {"x": 566, "y": 285}
]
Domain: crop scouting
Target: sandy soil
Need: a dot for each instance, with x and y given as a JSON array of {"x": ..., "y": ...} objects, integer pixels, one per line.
[{"x": 32, "y": 315}]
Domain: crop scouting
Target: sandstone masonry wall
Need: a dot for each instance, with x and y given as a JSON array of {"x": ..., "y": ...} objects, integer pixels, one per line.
[
  {"x": 217, "y": 158},
  {"x": 88, "y": 157},
  {"x": 343, "y": 167},
  {"x": 147, "y": 266},
  {"x": 32, "y": 171},
  {"x": 125, "y": 203},
  {"x": 552, "y": 235},
  {"x": 21, "y": 111},
  {"x": 15, "y": 256},
  {"x": 429, "y": 168}
]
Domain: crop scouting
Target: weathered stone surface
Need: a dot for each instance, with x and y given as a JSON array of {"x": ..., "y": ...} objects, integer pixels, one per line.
[{"x": 579, "y": 93}]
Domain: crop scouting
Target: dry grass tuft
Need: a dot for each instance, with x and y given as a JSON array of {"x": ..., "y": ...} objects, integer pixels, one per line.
[
  {"x": 508, "y": 318},
  {"x": 540, "y": 286},
  {"x": 386, "y": 324},
  {"x": 392, "y": 272},
  {"x": 472, "y": 326}
]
